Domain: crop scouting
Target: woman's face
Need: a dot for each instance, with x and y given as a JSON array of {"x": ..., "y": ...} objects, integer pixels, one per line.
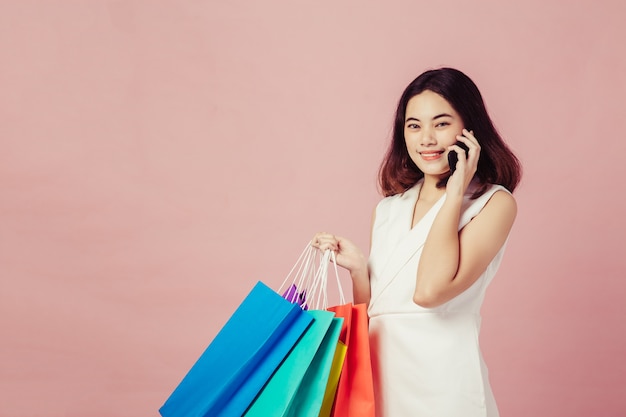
[{"x": 430, "y": 126}]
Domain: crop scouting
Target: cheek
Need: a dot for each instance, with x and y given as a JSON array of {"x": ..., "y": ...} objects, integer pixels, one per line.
[
  {"x": 450, "y": 138},
  {"x": 409, "y": 138}
]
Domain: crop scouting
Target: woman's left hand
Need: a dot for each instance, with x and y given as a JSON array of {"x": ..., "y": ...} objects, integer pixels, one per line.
[
  {"x": 349, "y": 256},
  {"x": 466, "y": 166}
]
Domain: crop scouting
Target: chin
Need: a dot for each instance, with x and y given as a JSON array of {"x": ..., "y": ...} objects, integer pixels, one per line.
[{"x": 440, "y": 173}]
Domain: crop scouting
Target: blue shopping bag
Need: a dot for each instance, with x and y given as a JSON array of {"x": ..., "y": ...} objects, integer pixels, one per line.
[
  {"x": 276, "y": 397},
  {"x": 241, "y": 358}
]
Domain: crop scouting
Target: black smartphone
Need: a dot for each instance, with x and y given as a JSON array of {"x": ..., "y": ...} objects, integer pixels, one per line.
[{"x": 453, "y": 157}]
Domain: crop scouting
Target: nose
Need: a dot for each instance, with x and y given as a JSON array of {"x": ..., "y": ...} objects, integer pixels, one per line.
[{"x": 428, "y": 137}]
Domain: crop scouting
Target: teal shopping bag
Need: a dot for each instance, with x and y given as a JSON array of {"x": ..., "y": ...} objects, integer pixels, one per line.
[
  {"x": 276, "y": 397},
  {"x": 241, "y": 358},
  {"x": 307, "y": 401}
]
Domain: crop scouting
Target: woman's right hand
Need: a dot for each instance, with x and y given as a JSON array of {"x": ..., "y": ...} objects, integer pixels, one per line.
[{"x": 347, "y": 254}]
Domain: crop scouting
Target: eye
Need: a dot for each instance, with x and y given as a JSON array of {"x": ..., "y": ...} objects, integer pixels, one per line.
[
  {"x": 412, "y": 126},
  {"x": 443, "y": 124}
]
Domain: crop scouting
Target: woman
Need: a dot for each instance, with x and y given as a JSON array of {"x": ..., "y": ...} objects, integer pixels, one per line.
[{"x": 437, "y": 240}]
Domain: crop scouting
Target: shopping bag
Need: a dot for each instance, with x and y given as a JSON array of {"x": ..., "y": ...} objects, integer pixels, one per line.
[
  {"x": 241, "y": 358},
  {"x": 354, "y": 396},
  {"x": 293, "y": 295},
  {"x": 333, "y": 379},
  {"x": 355, "y": 392},
  {"x": 277, "y": 395},
  {"x": 316, "y": 384},
  {"x": 310, "y": 395}
]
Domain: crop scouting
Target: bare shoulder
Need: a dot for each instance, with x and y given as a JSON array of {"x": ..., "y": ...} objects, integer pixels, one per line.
[
  {"x": 502, "y": 203},
  {"x": 486, "y": 233},
  {"x": 503, "y": 200},
  {"x": 497, "y": 216}
]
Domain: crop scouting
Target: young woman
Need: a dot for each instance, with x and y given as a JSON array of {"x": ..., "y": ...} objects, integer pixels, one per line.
[{"x": 437, "y": 240}]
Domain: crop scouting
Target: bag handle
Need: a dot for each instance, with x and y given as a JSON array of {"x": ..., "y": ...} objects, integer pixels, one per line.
[
  {"x": 304, "y": 277},
  {"x": 310, "y": 276},
  {"x": 320, "y": 282}
]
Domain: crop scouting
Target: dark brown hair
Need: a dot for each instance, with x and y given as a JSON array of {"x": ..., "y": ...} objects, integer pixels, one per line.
[{"x": 497, "y": 163}]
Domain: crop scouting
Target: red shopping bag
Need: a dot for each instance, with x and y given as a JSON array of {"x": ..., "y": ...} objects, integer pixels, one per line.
[{"x": 355, "y": 392}]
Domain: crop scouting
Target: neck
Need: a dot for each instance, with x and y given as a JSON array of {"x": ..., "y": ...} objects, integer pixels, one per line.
[{"x": 429, "y": 190}]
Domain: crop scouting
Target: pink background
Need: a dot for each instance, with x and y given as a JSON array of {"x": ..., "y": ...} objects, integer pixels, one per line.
[{"x": 158, "y": 158}]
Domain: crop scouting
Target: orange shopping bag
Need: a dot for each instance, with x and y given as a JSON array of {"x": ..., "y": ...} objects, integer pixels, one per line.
[{"x": 355, "y": 392}]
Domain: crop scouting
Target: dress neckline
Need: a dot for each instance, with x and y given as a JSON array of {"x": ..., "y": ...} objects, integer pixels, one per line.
[{"x": 414, "y": 197}]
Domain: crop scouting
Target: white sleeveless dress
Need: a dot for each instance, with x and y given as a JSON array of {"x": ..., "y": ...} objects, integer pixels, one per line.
[{"x": 426, "y": 361}]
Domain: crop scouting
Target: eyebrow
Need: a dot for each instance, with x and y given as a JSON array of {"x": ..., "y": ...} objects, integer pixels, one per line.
[{"x": 434, "y": 118}]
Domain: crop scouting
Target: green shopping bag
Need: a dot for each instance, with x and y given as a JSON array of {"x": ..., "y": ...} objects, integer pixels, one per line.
[
  {"x": 308, "y": 400},
  {"x": 276, "y": 397}
]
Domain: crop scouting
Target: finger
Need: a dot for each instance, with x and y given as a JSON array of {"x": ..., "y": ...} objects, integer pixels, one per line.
[
  {"x": 459, "y": 151},
  {"x": 473, "y": 148},
  {"x": 469, "y": 135},
  {"x": 324, "y": 241},
  {"x": 328, "y": 240},
  {"x": 469, "y": 141},
  {"x": 327, "y": 246}
]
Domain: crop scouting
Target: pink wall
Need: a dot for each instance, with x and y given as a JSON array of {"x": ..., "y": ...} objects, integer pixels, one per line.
[{"x": 157, "y": 158}]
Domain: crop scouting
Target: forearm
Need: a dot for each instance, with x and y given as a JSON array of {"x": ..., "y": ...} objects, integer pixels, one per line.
[
  {"x": 439, "y": 261},
  {"x": 361, "y": 286}
]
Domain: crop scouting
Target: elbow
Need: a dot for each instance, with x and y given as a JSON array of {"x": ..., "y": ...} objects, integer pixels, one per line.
[{"x": 427, "y": 299}]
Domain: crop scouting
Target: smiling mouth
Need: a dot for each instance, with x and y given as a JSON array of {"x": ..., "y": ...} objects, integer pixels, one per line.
[{"x": 431, "y": 155}]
